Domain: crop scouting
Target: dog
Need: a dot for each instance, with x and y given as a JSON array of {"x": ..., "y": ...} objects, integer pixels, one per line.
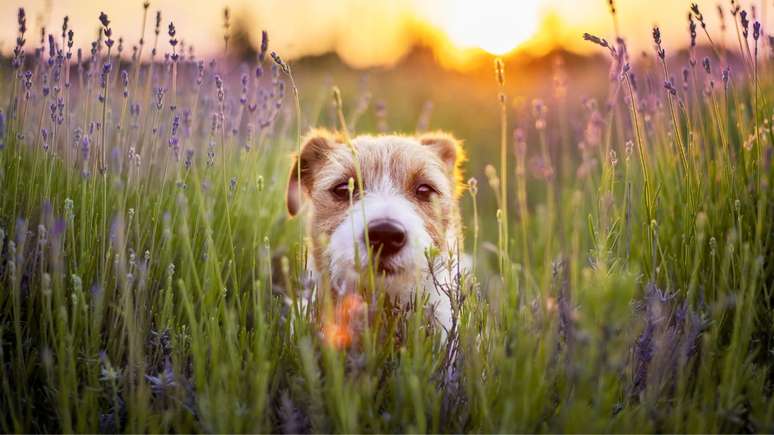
[{"x": 408, "y": 208}]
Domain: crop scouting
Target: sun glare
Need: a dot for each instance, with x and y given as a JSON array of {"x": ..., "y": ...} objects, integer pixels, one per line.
[{"x": 495, "y": 26}]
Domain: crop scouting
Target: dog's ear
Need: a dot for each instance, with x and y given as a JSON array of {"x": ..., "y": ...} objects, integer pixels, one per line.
[
  {"x": 449, "y": 149},
  {"x": 316, "y": 146},
  {"x": 446, "y": 146}
]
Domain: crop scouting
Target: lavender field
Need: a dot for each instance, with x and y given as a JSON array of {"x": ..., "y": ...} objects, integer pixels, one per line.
[{"x": 619, "y": 216}]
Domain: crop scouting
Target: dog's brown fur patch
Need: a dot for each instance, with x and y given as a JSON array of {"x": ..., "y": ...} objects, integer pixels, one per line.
[{"x": 393, "y": 162}]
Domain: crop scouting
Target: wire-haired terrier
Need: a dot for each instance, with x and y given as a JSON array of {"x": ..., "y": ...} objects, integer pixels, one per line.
[{"x": 408, "y": 212}]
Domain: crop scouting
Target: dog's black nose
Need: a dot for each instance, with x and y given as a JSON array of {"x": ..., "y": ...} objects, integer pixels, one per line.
[{"x": 387, "y": 237}]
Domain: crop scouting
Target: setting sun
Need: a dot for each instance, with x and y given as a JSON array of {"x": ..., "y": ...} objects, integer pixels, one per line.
[{"x": 494, "y": 26}]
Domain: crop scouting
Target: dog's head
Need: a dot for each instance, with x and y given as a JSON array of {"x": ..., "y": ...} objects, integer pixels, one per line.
[{"x": 408, "y": 203}]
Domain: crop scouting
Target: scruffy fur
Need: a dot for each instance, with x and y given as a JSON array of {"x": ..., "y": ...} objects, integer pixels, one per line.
[{"x": 393, "y": 167}]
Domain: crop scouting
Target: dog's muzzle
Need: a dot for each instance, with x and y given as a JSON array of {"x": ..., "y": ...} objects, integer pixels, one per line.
[{"x": 387, "y": 237}]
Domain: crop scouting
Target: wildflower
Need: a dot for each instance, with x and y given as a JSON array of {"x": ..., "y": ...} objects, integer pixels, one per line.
[
  {"x": 670, "y": 87},
  {"x": 106, "y": 68},
  {"x": 692, "y": 30},
  {"x": 211, "y": 154},
  {"x": 226, "y": 24},
  {"x": 189, "y": 153},
  {"x": 21, "y": 18},
  {"x": 756, "y": 30},
  {"x": 473, "y": 186},
  {"x": 657, "y": 40},
  {"x": 629, "y": 149},
  {"x": 281, "y": 63},
  {"x": 698, "y": 15},
  {"x": 125, "y": 81},
  {"x": 611, "y": 5},
  {"x": 264, "y": 46},
  {"x": 164, "y": 380},
  {"x": 85, "y": 148},
  {"x": 106, "y": 30},
  {"x": 159, "y": 94},
  {"x": 157, "y": 29},
  {"x": 172, "y": 32},
  {"x": 613, "y": 158},
  {"x": 44, "y": 135},
  {"x": 108, "y": 373},
  {"x": 745, "y": 24},
  {"x": 103, "y": 18},
  {"x": 602, "y": 42}
]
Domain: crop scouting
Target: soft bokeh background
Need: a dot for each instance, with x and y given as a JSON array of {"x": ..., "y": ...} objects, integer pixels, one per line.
[{"x": 381, "y": 32}]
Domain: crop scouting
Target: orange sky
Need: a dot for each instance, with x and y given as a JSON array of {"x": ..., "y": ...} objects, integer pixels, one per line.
[{"x": 379, "y": 32}]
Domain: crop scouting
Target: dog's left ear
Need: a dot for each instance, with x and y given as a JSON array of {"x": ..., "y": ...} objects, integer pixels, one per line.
[{"x": 449, "y": 149}]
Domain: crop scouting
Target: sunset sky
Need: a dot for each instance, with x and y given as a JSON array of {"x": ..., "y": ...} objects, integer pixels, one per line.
[{"x": 379, "y": 32}]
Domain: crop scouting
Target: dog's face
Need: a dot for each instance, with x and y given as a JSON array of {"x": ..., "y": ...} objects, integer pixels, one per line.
[{"x": 408, "y": 203}]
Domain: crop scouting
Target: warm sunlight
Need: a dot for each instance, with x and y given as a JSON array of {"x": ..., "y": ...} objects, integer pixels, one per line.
[{"x": 495, "y": 26}]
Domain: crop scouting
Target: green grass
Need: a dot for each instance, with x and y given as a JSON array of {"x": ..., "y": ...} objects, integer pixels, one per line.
[{"x": 633, "y": 295}]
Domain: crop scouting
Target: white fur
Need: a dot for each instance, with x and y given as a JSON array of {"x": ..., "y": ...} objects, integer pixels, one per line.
[{"x": 347, "y": 252}]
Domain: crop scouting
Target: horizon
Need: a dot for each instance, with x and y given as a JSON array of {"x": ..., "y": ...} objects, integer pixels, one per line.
[{"x": 384, "y": 33}]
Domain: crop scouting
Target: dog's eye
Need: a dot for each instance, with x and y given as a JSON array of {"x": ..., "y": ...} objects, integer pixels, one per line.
[
  {"x": 341, "y": 191},
  {"x": 425, "y": 192}
]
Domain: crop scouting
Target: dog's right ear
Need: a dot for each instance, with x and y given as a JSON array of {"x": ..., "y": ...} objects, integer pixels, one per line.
[{"x": 316, "y": 146}]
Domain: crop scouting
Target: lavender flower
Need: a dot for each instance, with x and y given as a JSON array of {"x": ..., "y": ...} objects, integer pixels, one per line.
[
  {"x": 189, "y": 153},
  {"x": 106, "y": 30},
  {"x": 85, "y": 147},
  {"x": 670, "y": 87},
  {"x": 159, "y": 94},
  {"x": 756, "y": 30},
  {"x": 172, "y": 32},
  {"x": 698, "y": 15},
  {"x": 18, "y": 51},
  {"x": 264, "y": 46},
  {"x": 657, "y": 40},
  {"x": 164, "y": 381},
  {"x": 106, "y": 68},
  {"x": 21, "y": 18},
  {"x": 281, "y": 63},
  {"x": 602, "y": 42},
  {"x": 745, "y": 23}
]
